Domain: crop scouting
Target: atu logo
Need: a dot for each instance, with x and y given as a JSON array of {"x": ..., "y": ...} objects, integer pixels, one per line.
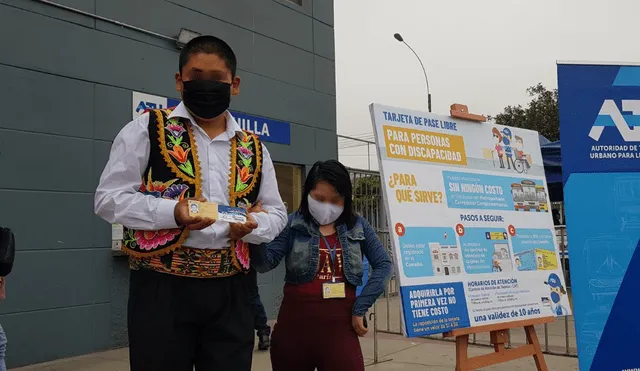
[
  {"x": 142, "y": 106},
  {"x": 610, "y": 116}
]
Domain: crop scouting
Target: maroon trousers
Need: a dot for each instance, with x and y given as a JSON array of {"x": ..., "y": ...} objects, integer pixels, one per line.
[{"x": 315, "y": 333}]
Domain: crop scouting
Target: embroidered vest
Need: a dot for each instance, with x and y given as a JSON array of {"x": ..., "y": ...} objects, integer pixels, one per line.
[{"x": 174, "y": 172}]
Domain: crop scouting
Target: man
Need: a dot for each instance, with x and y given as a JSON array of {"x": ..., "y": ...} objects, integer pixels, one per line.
[
  {"x": 190, "y": 291},
  {"x": 520, "y": 155}
]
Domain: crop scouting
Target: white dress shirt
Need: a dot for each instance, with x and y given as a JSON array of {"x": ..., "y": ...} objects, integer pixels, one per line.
[{"x": 117, "y": 199}]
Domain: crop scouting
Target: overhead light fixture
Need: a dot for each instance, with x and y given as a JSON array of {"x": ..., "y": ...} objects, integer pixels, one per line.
[{"x": 185, "y": 36}]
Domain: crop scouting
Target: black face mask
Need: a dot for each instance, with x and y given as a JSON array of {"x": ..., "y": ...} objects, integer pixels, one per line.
[{"x": 206, "y": 98}]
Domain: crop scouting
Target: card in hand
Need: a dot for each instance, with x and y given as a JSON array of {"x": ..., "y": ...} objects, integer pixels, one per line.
[{"x": 217, "y": 212}]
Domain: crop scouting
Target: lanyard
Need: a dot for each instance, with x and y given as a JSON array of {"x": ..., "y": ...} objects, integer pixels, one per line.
[{"x": 333, "y": 253}]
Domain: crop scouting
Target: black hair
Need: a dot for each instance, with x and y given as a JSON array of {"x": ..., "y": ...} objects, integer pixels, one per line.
[
  {"x": 209, "y": 45},
  {"x": 336, "y": 174}
]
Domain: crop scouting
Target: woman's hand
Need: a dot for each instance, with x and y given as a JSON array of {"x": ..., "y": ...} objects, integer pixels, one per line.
[
  {"x": 257, "y": 208},
  {"x": 358, "y": 325},
  {"x": 237, "y": 230}
]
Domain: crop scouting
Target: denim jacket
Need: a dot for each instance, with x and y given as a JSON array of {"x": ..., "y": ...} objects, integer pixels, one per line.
[{"x": 299, "y": 242}]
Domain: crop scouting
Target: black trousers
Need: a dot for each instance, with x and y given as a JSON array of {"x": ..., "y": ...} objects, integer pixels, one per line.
[
  {"x": 176, "y": 323},
  {"x": 259, "y": 314}
]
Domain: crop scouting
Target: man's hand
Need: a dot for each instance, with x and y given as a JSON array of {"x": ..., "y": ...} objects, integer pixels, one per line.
[
  {"x": 358, "y": 325},
  {"x": 183, "y": 219},
  {"x": 239, "y": 230}
]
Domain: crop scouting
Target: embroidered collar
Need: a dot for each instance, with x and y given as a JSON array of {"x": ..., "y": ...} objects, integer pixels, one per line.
[{"x": 233, "y": 128}]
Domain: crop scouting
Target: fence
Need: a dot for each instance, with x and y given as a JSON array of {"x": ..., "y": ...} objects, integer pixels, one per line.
[{"x": 386, "y": 316}]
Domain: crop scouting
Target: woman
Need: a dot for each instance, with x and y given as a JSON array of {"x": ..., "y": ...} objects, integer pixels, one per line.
[
  {"x": 7, "y": 256},
  {"x": 323, "y": 245}
]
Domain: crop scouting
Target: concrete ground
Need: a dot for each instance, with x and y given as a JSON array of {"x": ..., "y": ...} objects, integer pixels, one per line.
[{"x": 394, "y": 351}]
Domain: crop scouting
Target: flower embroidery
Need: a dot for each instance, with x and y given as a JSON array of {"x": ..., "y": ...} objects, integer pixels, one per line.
[
  {"x": 245, "y": 153},
  {"x": 245, "y": 140},
  {"x": 242, "y": 254},
  {"x": 175, "y": 129},
  {"x": 244, "y": 174},
  {"x": 149, "y": 240},
  {"x": 176, "y": 192},
  {"x": 180, "y": 154},
  {"x": 242, "y": 178},
  {"x": 155, "y": 188}
]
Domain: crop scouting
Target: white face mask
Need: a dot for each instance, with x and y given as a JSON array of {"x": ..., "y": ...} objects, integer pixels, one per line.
[{"x": 324, "y": 213}]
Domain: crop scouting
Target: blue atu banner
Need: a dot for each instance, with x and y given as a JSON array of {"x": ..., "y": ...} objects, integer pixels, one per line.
[
  {"x": 268, "y": 130},
  {"x": 599, "y": 113}
]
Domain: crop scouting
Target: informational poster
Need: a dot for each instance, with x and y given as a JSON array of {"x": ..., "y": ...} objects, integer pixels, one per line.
[
  {"x": 473, "y": 234},
  {"x": 599, "y": 119}
]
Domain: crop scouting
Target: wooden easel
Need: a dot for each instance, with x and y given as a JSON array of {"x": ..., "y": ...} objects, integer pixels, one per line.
[{"x": 499, "y": 335}]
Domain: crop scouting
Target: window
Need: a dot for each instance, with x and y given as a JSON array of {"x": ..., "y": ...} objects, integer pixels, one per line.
[
  {"x": 297, "y": 2},
  {"x": 289, "y": 185}
]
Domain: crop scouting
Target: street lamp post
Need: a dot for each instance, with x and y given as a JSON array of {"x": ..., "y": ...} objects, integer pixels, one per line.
[{"x": 401, "y": 39}]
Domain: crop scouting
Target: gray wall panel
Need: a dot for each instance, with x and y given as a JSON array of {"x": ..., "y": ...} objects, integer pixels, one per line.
[
  {"x": 299, "y": 152},
  {"x": 102, "y": 327},
  {"x": 323, "y": 11},
  {"x": 325, "y": 75},
  {"x": 239, "y": 12},
  {"x": 65, "y": 278},
  {"x": 270, "y": 98},
  {"x": 265, "y": 278},
  {"x": 323, "y": 40},
  {"x": 108, "y": 119},
  {"x": 292, "y": 27},
  {"x": 41, "y": 102},
  {"x": 271, "y": 285},
  {"x": 283, "y": 62},
  {"x": 101, "y": 232},
  {"x": 144, "y": 39},
  {"x": 116, "y": 62},
  {"x": 49, "y": 11},
  {"x": 119, "y": 300},
  {"x": 306, "y": 8},
  {"x": 43, "y": 161},
  {"x": 49, "y": 335},
  {"x": 60, "y": 211},
  {"x": 101, "y": 152},
  {"x": 167, "y": 18},
  {"x": 327, "y": 144}
]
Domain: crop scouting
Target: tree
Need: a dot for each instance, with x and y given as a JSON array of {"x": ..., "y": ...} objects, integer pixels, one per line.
[{"x": 541, "y": 114}]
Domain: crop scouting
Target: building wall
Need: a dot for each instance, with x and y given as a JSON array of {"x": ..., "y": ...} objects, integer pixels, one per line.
[{"x": 66, "y": 91}]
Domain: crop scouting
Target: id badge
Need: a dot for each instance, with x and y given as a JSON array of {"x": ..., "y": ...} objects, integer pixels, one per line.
[{"x": 333, "y": 290}]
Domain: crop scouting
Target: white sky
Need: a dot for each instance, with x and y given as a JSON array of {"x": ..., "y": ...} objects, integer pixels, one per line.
[{"x": 480, "y": 53}]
